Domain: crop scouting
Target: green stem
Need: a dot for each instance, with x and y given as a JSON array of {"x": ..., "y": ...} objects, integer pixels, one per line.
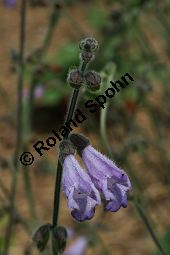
[
  {"x": 107, "y": 75},
  {"x": 15, "y": 171},
  {"x": 103, "y": 116},
  {"x": 149, "y": 227}
]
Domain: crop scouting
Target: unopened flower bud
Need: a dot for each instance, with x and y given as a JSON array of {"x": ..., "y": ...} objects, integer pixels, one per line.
[
  {"x": 66, "y": 148},
  {"x": 92, "y": 80},
  {"x": 88, "y": 44},
  {"x": 75, "y": 78},
  {"x": 87, "y": 56},
  {"x": 41, "y": 236},
  {"x": 59, "y": 239},
  {"x": 79, "y": 141}
]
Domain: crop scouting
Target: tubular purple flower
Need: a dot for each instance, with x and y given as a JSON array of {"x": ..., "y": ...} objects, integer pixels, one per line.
[
  {"x": 112, "y": 181},
  {"x": 78, "y": 247},
  {"x": 81, "y": 193},
  {"x": 109, "y": 179}
]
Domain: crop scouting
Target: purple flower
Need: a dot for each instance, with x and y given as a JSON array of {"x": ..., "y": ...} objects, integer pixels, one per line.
[
  {"x": 39, "y": 91},
  {"x": 78, "y": 247},
  {"x": 70, "y": 232},
  {"x": 112, "y": 181},
  {"x": 80, "y": 191},
  {"x": 10, "y": 3}
]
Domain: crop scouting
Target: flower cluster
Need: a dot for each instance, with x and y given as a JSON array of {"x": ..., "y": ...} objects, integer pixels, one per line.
[
  {"x": 102, "y": 179},
  {"x": 76, "y": 78}
]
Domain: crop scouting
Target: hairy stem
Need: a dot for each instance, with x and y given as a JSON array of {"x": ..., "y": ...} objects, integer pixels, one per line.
[{"x": 9, "y": 229}]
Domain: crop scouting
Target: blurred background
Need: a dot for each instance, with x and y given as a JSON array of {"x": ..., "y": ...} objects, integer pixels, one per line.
[{"x": 134, "y": 37}]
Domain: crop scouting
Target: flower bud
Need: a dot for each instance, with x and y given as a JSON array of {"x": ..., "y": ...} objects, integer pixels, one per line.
[
  {"x": 88, "y": 44},
  {"x": 75, "y": 78},
  {"x": 59, "y": 239},
  {"x": 87, "y": 56},
  {"x": 92, "y": 80},
  {"x": 66, "y": 148},
  {"x": 41, "y": 236},
  {"x": 79, "y": 141}
]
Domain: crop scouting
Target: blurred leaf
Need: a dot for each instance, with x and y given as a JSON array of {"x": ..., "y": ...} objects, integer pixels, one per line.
[
  {"x": 55, "y": 93},
  {"x": 67, "y": 55},
  {"x": 96, "y": 17},
  {"x": 47, "y": 76},
  {"x": 52, "y": 97}
]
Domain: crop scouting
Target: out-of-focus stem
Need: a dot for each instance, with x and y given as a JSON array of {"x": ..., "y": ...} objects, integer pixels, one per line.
[
  {"x": 16, "y": 162},
  {"x": 107, "y": 75},
  {"x": 4, "y": 189},
  {"x": 45, "y": 44},
  {"x": 103, "y": 116},
  {"x": 51, "y": 25},
  {"x": 29, "y": 107},
  {"x": 149, "y": 227}
]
